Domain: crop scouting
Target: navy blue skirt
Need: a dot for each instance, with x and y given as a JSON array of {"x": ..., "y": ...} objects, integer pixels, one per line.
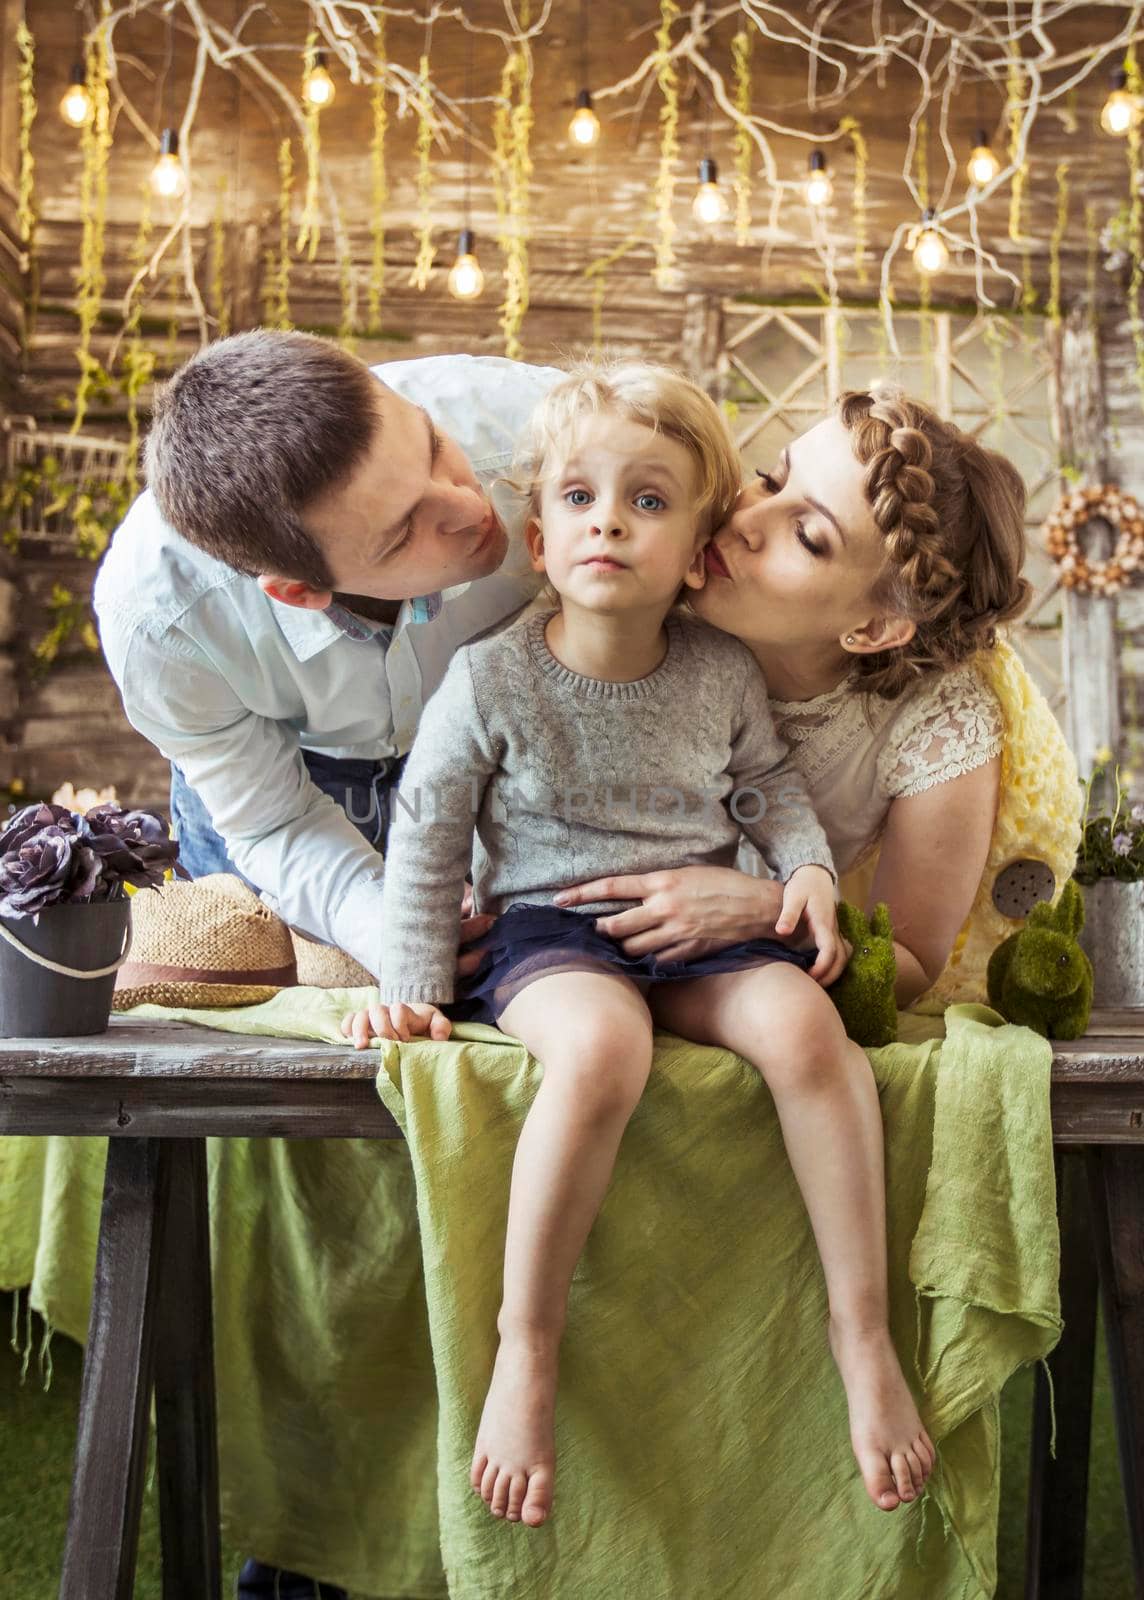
[{"x": 530, "y": 942}]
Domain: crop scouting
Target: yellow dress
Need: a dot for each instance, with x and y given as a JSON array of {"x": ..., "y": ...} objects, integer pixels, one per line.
[{"x": 1035, "y": 836}]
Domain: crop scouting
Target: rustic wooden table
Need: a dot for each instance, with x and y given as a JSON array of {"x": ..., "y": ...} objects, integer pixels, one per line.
[{"x": 160, "y": 1089}]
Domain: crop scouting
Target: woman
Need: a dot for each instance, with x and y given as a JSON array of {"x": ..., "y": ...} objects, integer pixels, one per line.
[{"x": 868, "y": 572}]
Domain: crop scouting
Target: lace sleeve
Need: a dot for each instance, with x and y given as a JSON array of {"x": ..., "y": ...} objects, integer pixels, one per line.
[{"x": 944, "y": 730}]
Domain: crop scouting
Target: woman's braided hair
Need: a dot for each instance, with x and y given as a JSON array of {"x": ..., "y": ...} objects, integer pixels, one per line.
[{"x": 952, "y": 515}]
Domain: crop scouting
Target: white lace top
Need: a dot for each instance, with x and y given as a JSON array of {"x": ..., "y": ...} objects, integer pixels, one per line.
[{"x": 858, "y": 753}]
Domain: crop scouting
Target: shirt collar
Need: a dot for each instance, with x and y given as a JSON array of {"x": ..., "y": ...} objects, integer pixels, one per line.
[{"x": 308, "y": 632}]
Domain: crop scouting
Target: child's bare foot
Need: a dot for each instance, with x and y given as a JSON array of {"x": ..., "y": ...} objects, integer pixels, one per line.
[
  {"x": 514, "y": 1463},
  {"x": 893, "y": 1450}
]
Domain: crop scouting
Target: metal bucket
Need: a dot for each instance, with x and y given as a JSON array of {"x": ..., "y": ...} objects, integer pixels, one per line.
[
  {"x": 89, "y": 941},
  {"x": 1113, "y": 940}
]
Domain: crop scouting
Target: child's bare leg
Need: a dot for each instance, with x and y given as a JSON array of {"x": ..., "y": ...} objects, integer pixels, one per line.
[
  {"x": 592, "y": 1034},
  {"x": 828, "y": 1109}
]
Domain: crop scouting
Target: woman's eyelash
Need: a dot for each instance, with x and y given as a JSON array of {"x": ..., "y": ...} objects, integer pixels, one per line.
[
  {"x": 807, "y": 544},
  {"x": 772, "y": 485}
]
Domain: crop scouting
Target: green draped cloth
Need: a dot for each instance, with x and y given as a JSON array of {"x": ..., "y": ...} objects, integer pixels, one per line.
[{"x": 702, "y": 1439}]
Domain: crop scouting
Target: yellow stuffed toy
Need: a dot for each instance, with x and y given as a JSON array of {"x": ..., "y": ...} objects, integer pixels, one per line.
[{"x": 1032, "y": 854}]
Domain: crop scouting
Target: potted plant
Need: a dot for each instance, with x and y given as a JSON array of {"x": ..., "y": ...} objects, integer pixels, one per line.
[
  {"x": 1110, "y": 867},
  {"x": 65, "y": 914}
]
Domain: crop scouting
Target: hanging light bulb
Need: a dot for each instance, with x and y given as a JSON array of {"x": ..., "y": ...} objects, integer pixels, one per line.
[
  {"x": 75, "y": 107},
  {"x": 317, "y": 86},
  {"x": 584, "y": 129},
  {"x": 983, "y": 166},
  {"x": 168, "y": 179},
  {"x": 818, "y": 189},
  {"x": 1122, "y": 109},
  {"x": 930, "y": 253},
  {"x": 466, "y": 280},
  {"x": 709, "y": 205}
]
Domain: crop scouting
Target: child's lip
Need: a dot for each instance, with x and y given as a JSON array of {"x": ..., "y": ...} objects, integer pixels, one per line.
[{"x": 606, "y": 562}]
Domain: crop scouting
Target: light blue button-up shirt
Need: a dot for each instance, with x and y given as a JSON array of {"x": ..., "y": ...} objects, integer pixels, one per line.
[{"x": 231, "y": 685}]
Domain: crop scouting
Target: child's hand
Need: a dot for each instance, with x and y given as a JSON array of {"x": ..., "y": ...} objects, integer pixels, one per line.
[
  {"x": 809, "y": 893},
  {"x": 399, "y": 1021}
]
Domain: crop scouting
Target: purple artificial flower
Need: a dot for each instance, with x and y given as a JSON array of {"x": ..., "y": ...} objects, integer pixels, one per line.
[
  {"x": 50, "y": 867},
  {"x": 31, "y": 819},
  {"x": 1122, "y": 844},
  {"x": 133, "y": 846}
]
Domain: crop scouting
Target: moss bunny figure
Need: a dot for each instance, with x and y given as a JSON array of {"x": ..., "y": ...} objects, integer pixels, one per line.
[
  {"x": 1040, "y": 977},
  {"x": 864, "y": 994}
]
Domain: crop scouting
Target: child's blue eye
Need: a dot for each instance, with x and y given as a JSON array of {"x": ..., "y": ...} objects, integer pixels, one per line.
[
  {"x": 658, "y": 504},
  {"x": 578, "y": 497}
]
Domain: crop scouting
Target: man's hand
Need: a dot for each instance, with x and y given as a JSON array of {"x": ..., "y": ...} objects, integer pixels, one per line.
[
  {"x": 471, "y": 928},
  {"x": 402, "y": 1022},
  {"x": 809, "y": 894},
  {"x": 683, "y": 912}
]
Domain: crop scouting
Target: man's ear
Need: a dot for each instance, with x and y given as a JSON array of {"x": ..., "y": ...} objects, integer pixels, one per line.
[
  {"x": 534, "y": 540},
  {"x": 696, "y": 575},
  {"x": 293, "y": 592},
  {"x": 879, "y": 633}
]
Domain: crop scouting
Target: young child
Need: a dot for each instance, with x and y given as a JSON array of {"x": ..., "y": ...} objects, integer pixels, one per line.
[{"x": 616, "y": 733}]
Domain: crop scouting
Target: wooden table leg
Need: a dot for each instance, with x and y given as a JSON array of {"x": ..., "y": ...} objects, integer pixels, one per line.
[
  {"x": 1058, "y": 1487},
  {"x": 1116, "y": 1174},
  {"x": 111, "y": 1446},
  {"x": 184, "y": 1387}
]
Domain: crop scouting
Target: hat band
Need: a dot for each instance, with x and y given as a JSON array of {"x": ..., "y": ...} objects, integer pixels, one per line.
[{"x": 133, "y": 974}]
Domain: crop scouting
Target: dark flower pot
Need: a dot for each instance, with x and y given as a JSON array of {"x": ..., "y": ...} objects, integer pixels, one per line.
[{"x": 36, "y": 1002}]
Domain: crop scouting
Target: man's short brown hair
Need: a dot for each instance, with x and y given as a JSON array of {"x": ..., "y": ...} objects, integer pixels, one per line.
[{"x": 247, "y": 434}]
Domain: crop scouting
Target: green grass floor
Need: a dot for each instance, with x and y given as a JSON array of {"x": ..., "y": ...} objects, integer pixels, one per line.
[{"x": 37, "y": 1441}]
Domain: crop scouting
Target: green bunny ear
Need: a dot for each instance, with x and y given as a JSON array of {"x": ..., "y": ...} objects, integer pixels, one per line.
[
  {"x": 852, "y": 924},
  {"x": 1043, "y": 915},
  {"x": 1070, "y": 908},
  {"x": 880, "y": 923}
]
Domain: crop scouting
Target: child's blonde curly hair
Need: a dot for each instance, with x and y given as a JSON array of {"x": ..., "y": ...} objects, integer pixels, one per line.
[
  {"x": 952, "y": 517},
  {"x": 656, "y": 397}
]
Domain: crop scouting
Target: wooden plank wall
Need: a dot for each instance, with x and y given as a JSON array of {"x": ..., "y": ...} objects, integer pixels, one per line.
[{"x": 70, "y": 725}]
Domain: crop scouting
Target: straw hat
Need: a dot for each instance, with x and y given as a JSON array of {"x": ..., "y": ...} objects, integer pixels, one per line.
[
  {"x": 205, "y": 942},
  {"x": 323, "y": 966}
]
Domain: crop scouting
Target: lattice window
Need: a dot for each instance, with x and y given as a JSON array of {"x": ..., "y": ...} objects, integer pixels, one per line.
[{"x": 782, "y": 366}]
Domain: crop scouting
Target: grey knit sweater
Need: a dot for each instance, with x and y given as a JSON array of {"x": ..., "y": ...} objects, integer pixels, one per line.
[{"x": 569, "y": 778}]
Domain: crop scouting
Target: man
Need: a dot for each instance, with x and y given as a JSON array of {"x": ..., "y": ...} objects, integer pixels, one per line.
[{"x": 317, "y": 540}]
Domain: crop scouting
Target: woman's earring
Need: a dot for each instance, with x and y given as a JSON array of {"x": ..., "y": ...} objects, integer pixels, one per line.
[{"x": 849, "y": 638}]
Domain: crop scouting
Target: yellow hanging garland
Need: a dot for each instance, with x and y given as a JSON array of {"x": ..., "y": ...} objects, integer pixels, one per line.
[
  {"x": 347, "y": 327},
  {"x": 996, "y": 342},
  {"x": 1014, "y": 93},
  {"x": 96, "y": 146},
  {"x": 137, "y": 361},
  {"x": 423, "y": 265},
  {"x": 219, "y": 298},
  {"x": 596, "y": 273},
  {"x": 310, "y": 226},
  {"x": 379, "y": 188},
  {"x": 853, "y": 128},
  {"x": 25, "y": 201},
  {"x": 1057, "y": 235},
  {"x": 744, "y": 145},
  {"x": 277, "y": 296},
  {"x": 515, "y": 303},
  {"x": 668, "y": 80}
]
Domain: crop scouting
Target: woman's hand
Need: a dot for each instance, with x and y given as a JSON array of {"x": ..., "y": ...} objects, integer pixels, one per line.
[
  {"x": 684, "y": 912},
  {"x": 808, "y": 896},
  {"x": 403, "y": 1022}
]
